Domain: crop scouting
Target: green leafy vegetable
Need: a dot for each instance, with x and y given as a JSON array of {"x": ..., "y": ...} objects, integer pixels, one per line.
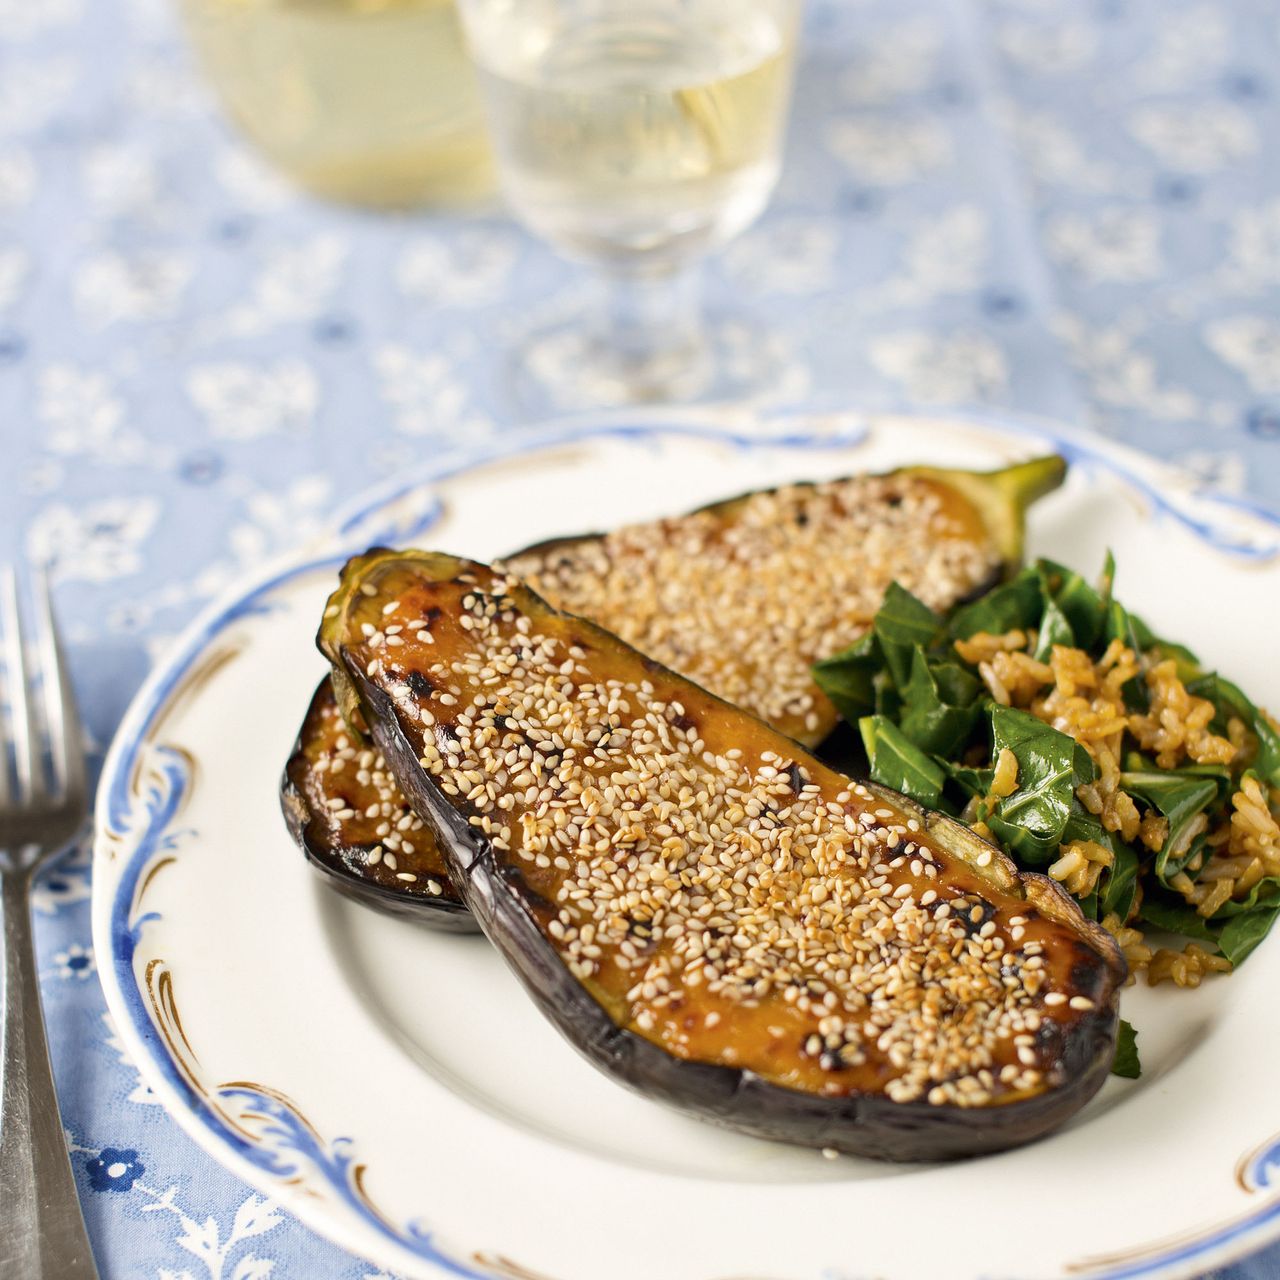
[
  {"x": 1223, "y": 694},
  {"x": 1121, "y": 882},
  {"x": 848, "y": 678},
  {"x": 1127, "y": 1063},
  {"x": 939, "y": 710},
  {"x": 931, "y": 730},
  {"x": 1180, "y": 798},
  {"x": 1240, "y": 935},
  {"x": 1177, "y": 917},
  {"x": 974, "y": 782},
  {"x": 902, "y": 624},
  {"x": 898, "y": 763},
  {"x": 1032, "y": 820},
  {"x": 1054, "y": 629},
  {"x": 1078, "y": 602},
  {"x": 1014, "y": 606}
]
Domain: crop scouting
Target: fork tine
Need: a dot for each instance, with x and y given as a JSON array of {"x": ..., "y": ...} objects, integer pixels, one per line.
[
  {"x": 25, "y": 751},
  {"x": 59, "y": 697}
]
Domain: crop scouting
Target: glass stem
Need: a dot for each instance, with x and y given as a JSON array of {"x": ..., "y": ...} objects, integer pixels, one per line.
[{"x": 652, "y": 324}]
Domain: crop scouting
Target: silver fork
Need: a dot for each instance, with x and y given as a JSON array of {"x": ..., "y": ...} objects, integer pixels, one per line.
[{"x": 42, "y": 1233}]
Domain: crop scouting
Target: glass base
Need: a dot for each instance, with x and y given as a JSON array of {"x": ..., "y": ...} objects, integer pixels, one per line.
[{"x": 567, "y": 368}]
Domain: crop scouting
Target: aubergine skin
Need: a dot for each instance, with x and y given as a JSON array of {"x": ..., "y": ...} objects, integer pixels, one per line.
[
  {"x": 859, "y": 1124},
  {"x": 988, "y": 506},
  {"x": 862, "y": 1122},
  {"x": 339, "y": 848}
]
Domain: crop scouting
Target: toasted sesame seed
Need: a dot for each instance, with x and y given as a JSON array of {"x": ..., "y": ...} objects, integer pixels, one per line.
[
  {"x": 689, "y": 868},
  {"x": 739, "y": 584}
]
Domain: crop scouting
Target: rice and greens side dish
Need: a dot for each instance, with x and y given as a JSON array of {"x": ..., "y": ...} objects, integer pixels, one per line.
[{"x": 1057, "y": 723}]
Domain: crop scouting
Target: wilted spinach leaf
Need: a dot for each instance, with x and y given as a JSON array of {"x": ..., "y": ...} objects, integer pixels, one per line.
[
  {"x": 902, "y": 624},
  {"x": 1128, "y": 628},
  {"x": 1121, "y": 882},
  {"x": 974, "y": 781},
  {"x": 898, "y": 763},
  {"x": 1176, "y": 916},
  {"x": 1179, "y": 796},
  {"x": 1231, "y": 698},
  {"x": 1054, "y": 629},
  {"x": 1240, "y": 935},
  {"x": 1126, "y": 1063},
  {"x": 939, "y": 710},
  {"x": 1031, "y": 820},
  {"x": 1016, "y": 604},
  {"x": 1078, "y": 602},
  {"x": 1118, "y": 883},
  {"x": 847, "y": 678}
]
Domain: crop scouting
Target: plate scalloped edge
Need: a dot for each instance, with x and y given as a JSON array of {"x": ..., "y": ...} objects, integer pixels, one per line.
[{"x": 255, "y": 1130}]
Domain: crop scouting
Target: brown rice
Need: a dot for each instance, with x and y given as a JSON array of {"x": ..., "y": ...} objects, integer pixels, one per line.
[{"x": 1085, "y": 699}]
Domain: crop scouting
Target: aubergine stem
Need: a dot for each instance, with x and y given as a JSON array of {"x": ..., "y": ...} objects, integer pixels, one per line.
[{"x": 1002, "y": 497}]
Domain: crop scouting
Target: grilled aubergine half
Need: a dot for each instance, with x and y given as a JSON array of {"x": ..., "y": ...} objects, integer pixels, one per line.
[
  {"x": 706, "y": 911},
  {"x": 741, "y": 596}
]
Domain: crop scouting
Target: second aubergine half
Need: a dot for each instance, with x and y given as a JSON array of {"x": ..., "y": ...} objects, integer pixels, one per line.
[
  {"x": 706, "y": 911},
  {"x": 741, "y": 596}
]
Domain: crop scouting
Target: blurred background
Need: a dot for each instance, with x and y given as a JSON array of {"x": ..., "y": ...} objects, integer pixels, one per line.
[
  {"x": 254, "y": 256},
  {"x": 1067, "y": 209}
]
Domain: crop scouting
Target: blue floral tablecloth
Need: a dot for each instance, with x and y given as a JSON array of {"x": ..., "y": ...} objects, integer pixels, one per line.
[{"x": 1069, "y": 209}]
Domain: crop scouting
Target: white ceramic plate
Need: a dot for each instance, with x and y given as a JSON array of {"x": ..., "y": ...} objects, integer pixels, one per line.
[{"x": 395, "y": 1089}]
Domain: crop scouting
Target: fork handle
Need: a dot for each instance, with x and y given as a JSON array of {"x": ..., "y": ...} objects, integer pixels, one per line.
[{"x": 42, "y": 1232}]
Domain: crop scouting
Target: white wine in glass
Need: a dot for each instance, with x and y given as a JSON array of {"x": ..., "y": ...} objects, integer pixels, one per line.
[
  {"x": 635, "y": 137},
  {"x": 368, "y": 101}
]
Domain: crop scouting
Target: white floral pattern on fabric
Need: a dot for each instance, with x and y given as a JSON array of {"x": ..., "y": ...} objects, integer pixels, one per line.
[
  {"x": 1113, "y": 245},
  {"x": 13, "y": 272},
  {"x": 1197, "y": 139},
  {"x": 933, "y": 369},
  {"x": 63, "y": 884},
  {"x": 94, "y": 543},
  {"x": 120, "y": 179},
  {"x": 32, "y": 90},
  {"x": 944, "y": 254},
  {"x": 250, "y": 181},
  {"x": 1059, "y": 157},
  {"x": 1120, "y": 375},
  {"x": 470, "y": 269},
  {"x": 295, "y": 283},
  {"x": 901, "y": 60},
  {"x": 239, "y": 402},
  {"x": 1048, "y": 48},
  {"x": 424, "y": 393},
  {"x": 110, "y": 287},
  {"x": 1191, "y": 45},
  {"x": 21, "y": 21},
  {"x": 17, "y": 177},
  {"x": 795, "y": 256},
  {"x": 83, "y": 416},
  {"x": 1254, "y": 246},
  {"x": 889, "y": 151},
  {"x": 1251, "y": 344},
  {"x": 141, "y": 1091},
  {"x": 76, "y": 962}
]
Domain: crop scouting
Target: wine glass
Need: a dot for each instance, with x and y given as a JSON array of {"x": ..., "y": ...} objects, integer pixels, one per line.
[
  {"x": 635, "y": 136},
  {"x": 372, "y": 102}
]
